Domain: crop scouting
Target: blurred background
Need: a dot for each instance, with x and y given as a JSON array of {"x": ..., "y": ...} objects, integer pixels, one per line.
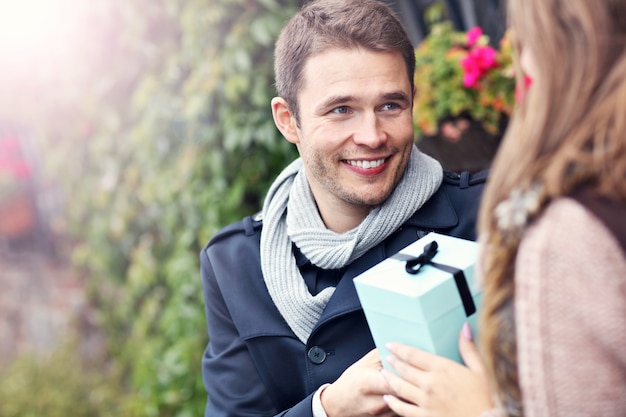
[{"x": 130, "y": 132}]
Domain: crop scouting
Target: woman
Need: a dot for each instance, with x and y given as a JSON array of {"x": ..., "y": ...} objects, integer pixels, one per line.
[{"x": 553, "y": 235}]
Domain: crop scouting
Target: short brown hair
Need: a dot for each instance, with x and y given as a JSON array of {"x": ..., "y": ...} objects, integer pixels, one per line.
[{"x": 324, "y": 24}]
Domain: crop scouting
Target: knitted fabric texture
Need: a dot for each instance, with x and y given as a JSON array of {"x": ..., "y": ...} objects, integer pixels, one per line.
[
  {"x": 570, "y": 310},
  {"x": 290, "y": 216}
]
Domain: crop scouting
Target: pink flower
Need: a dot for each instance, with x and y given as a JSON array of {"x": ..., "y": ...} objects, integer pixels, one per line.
[
  {"x": 470, "y": 79},
  {"x": 21, "y": 170},
  {"x": 486, "y": 57},
  {"x": 11, "y": 160},
  {"x": 473, "y": 35},
  {"x": 9, "y": 145},
  {"x": 477, "y": 63}
]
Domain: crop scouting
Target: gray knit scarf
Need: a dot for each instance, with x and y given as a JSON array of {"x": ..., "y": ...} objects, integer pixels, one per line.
[{"x": 290, "y": 216}]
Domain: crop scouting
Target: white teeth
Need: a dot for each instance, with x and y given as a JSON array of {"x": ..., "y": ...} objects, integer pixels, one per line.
[{"x": 366, "y": 164}]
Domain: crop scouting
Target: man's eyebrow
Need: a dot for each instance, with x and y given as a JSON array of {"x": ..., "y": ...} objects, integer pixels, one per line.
[
  {"x": 334, "y": 101},
  {"x": 397, "y": 96}
]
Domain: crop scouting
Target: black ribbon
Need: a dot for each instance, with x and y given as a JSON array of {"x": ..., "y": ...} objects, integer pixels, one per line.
[{"x": 414, "y": 264}]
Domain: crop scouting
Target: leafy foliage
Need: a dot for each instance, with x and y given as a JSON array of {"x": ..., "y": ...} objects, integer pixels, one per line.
[
  {"x": 58, "y": 385},
  {"x": 172, "y": 140},
  {"x": 193, "y": 150},
  {"x": 443, "y": 60}
]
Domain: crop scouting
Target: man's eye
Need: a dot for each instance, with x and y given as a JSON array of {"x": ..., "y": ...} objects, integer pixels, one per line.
[
  {"x": 391, "y": 106},
  {"x": 340, "y": 110}
]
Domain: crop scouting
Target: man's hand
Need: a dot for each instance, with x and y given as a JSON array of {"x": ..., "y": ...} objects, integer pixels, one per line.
[
  {"x": 358, "y": 391},
  {"x": 433, "y": 386}
]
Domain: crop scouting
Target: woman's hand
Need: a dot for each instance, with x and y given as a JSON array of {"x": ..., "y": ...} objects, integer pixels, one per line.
[{"x": 433, "y": 386}]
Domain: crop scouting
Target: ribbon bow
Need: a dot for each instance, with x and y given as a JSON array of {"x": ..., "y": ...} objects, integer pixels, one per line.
[{"x": 426, "y": 258}]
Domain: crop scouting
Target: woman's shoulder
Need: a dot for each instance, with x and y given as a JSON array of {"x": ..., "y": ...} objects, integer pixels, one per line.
[
  {"x": 608, "y": 210},
  {"x": 571, "y": 230}
]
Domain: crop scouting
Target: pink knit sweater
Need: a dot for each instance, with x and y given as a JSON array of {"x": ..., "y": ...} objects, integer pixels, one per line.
[{"x": 570, "y": 308}]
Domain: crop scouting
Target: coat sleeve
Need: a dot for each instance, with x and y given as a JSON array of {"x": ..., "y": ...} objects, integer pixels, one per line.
[{"x": 230, "y": 377}]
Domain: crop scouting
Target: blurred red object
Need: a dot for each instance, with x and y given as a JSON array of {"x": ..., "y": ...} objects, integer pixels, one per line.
[
  {"x": 17, "y": 209},
  {"x": 12, "y": 161},
  {"x": 17, "y": 216}
]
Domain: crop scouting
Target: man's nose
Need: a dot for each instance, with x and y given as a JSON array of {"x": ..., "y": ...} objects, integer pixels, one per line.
[{"x": 370, "y": 132}]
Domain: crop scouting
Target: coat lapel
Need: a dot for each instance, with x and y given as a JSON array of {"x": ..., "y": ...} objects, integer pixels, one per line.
[{"x": 345, "y": 299}]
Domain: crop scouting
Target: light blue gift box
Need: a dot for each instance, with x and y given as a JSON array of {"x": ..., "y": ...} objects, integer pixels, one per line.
[{"x": 425, "y": 309}]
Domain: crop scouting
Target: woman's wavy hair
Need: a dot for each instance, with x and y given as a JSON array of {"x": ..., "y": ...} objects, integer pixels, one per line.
[
  {"x": 325, "y": 24},
  {"x": 569, "y": 129}
]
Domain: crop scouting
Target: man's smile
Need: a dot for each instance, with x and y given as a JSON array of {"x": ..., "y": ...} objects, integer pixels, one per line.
[{"x": 363, "y": 163}]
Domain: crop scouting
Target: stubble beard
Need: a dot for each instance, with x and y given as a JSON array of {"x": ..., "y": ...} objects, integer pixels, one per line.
[{"x": 325, "y": 173}]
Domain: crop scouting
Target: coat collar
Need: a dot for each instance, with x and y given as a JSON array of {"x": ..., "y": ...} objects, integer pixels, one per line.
[{"x": 437, "y": 213}]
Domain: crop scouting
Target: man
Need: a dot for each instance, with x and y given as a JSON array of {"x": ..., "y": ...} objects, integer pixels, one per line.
[{"x": 287, "y": 333}]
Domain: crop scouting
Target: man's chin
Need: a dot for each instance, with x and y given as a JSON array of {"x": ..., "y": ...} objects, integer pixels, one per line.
[{"x": 371, "y": 199}]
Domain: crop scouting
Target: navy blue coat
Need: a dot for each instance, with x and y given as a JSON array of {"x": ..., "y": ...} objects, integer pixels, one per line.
[{"x": 254, "y": 365}]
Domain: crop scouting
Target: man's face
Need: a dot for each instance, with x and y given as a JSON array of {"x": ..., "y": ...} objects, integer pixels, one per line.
[{"x": 356, "y": 131}]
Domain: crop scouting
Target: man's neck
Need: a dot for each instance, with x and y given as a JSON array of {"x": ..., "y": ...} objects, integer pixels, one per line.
[{"x": 341, "y": 219}]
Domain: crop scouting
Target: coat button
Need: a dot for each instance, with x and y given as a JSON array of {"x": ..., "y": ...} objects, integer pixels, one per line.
[{"x": 316, "y": 355}]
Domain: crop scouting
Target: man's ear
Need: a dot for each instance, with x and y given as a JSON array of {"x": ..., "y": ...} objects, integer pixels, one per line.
[{"x": 284, "y": 119}]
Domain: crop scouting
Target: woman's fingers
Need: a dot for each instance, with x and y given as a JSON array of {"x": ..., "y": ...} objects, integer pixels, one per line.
[
  {"x": 403, "y": 387},
  {"x": 413, "y": 356},
  {"x": 405, "y": 397},
  {"x": 468, "y": 350},
  {"x": 402, "y": 408},
  {"x": 407, "y": 371},
  {"x": 424, "y": 384}
]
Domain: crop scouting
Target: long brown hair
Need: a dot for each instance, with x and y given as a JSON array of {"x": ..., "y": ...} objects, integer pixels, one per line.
[{"x": 569, "y": 129}]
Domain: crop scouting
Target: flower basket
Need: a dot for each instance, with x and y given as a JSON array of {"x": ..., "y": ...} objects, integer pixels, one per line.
[
  {"x": 462, "y": 144},
  {"x": 465, "y": 93},
  {"x": 459, "y": 74}
]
